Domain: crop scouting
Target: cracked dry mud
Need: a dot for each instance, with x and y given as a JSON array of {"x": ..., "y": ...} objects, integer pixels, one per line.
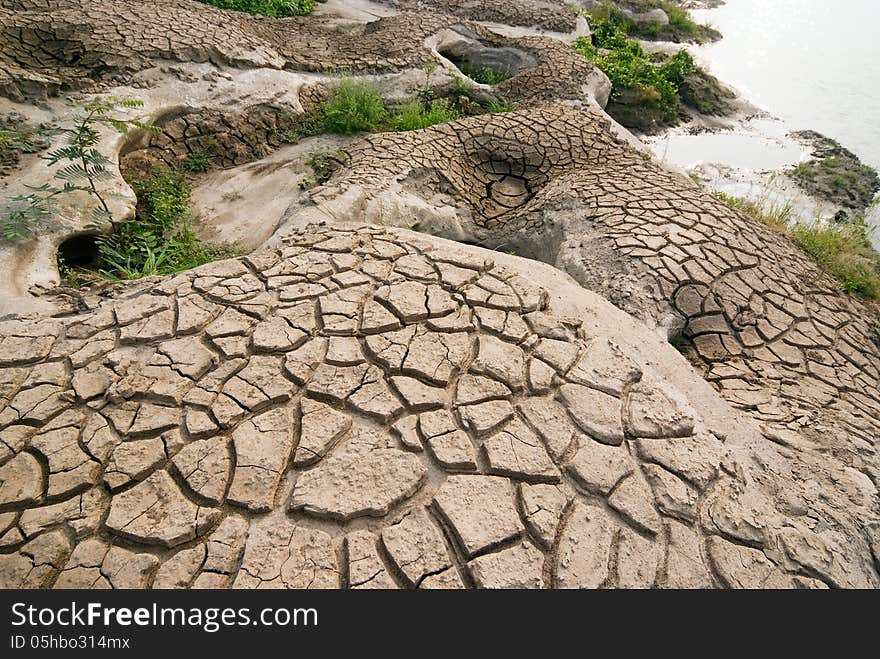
[{"x": 361, "y": 406}]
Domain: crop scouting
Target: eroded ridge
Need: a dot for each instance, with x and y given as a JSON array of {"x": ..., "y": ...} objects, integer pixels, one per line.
[
  {"x": 364, "y": 408},
  {"x": 49, "y": 47},
  {"x": 772, "y": 332},
  {"x": 547, "y": 14}
]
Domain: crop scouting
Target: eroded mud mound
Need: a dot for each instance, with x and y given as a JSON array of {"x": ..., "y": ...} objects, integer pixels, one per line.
[
  {"x": 365, "y": 409},
  {"x": 546, "y": 14},
  {"x": 52, "y": 46},
  {"x": 358, "y": 406},
  {"x": 773, "y": 332}
]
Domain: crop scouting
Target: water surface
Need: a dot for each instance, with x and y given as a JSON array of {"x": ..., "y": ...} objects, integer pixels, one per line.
[{"x": 815, "y": 64}]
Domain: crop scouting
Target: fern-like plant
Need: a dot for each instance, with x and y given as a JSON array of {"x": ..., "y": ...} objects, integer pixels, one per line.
[{"x": 81, "y": 166}]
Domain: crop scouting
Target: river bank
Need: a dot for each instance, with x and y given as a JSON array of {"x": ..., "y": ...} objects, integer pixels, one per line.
[{"x": 769, "y": 54}]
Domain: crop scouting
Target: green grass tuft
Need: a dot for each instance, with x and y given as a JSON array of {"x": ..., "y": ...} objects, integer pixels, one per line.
[
  {"x": 485, "y": 75},
  {"x": 842, "y": 250},
  {"x": 274, "y": 8},
  {"x": 845, "y": 251},
  {"x": 776, "y": 216},
  {"x": 354, "y": 107},
  {"x": 414, "y": 115},
  {"x": 196, "y": 163}
]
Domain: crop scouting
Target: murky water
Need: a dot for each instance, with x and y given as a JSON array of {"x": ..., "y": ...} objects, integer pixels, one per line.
[
  {"x": 814, "y": 64},
  {"x": 763, "y": 145}
]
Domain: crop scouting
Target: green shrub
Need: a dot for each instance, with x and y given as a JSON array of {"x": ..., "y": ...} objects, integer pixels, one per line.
[
  {"x": 681, "y": 26},
  {"x": 414, "y": 115},
  {"x": 354, "y": 107},
  {"x": 160, "y": 239},
  {"x": 276, "y": 8},
  {"x": 632, "y": 73}
]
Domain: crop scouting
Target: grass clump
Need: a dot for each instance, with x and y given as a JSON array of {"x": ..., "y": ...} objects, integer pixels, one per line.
[
  {"x": 357, "y": 106},
  {"x": 415, "y": 116},
  {"x": 274, "y": 8},
  {"x": 461, "y": 86},
  {"x": 500, "y": 107},
  {"x": 485, "y": 75},
  {"x": 843, "y": 249},
  {"x": 354, "y": 107},
  {"x": 160, "y": 240},
  {"x": 775, "y": 216}
]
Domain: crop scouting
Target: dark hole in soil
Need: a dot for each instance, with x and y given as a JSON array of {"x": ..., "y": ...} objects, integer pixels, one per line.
[{"x": 79, "y": 252}]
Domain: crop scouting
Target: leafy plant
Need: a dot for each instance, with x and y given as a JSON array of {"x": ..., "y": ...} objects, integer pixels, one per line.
[
  {"x": 275, "y": 8},
  {"x": 322, "y": 163},
  {"x": 197, "y": 163},
  {"x": 82, "y": 166},
  {"x": 633, "y": 76},
  {"x": 160, "y": 239}
]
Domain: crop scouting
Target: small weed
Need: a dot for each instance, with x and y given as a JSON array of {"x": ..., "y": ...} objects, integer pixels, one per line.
[
  {"x": 196, "y": 163},
  {"x": 289, "y": 136},
  {"x": 500, "y": 106},
  {"x": 230, "y": 197},
  {"x": 323, "y": 163},
  {"x": 461, "y": 86}
]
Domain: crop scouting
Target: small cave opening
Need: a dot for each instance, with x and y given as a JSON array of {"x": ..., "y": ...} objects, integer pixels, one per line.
[{"x": 80, "y": 252}]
